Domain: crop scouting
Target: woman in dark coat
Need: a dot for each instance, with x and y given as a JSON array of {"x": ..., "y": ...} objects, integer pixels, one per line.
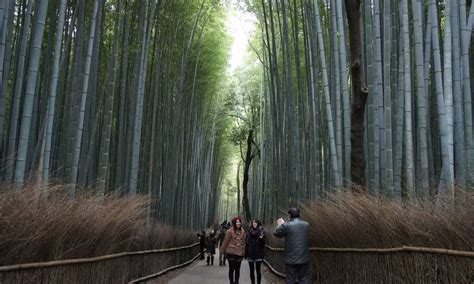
[
  {"x": 211, "y": 242},
  {"x": 220, "y": 240},
  {"x": 202, "y": 244},
  {"x": 255, "y": 249}
]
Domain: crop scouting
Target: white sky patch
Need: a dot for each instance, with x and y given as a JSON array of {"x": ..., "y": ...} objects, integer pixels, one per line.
[{"x": 240, "y": 25}]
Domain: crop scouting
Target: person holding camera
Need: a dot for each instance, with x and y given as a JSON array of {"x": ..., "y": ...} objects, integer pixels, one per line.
[
  {"x": 255, "y": 249},
  {"x": 296, "y": 252}
]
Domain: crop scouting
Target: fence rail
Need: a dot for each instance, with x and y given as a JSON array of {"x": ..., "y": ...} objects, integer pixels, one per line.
[
  {"x": 114, "y": 268},
  {"x": 158, "y": 274},
  {"x": 398, "y": 265}
]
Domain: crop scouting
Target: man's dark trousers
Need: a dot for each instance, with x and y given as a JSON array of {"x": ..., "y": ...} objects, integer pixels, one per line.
[{"x": 297, "y": 273}]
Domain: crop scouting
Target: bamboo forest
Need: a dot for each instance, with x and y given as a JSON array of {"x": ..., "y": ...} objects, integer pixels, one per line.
[{"x": 164, "y": 117}]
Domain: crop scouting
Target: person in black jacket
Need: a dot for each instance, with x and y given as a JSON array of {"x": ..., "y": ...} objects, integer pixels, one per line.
[
  {"x": 255, "y": 249},
  {"x": 211, "y": 242},
  {"x": 296, "y": 252},
  {"x": 202, "y": 243},
  {"x": 220, "y": 240}
]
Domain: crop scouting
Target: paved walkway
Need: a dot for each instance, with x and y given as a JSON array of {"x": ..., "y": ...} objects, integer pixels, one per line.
[{"x": 200, "y": 273}]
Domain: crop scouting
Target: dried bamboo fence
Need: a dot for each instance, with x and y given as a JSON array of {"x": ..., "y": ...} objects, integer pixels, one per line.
[
  {"x": 392, "y": 265},
  {"x": 115, "y": 268}
]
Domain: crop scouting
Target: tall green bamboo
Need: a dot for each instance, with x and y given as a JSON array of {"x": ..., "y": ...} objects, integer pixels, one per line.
[
  {"x": 422, "y": 184},
  {"x": 33, "y": 67},
  {"x": 85, "y": 85},
  {"x": 109, "y": 103},
  {"x": 51, "y": 109},
  {"x": 10, "y": 153},
  {"x": 333, "y": 152}
]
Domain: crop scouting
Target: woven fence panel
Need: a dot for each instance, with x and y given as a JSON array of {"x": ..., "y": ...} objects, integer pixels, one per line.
[
  {"x": 120, "y": 268},
  {"x": 386, "y": 267}
]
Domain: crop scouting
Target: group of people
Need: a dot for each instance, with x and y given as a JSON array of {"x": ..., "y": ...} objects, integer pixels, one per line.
[{"x": 236, "y": 243}]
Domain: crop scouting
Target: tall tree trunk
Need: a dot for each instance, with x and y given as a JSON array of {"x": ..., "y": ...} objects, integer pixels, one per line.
[
  {"x": 360, "y": 93},
  {"x": 249, "y": 155},
  {"x": 238, "y": 188}
]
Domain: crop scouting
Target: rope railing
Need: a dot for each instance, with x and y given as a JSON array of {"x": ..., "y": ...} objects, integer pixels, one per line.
[
  {"x": 148, "y": 277},
  {"x": 389, "y": 250},
  {"x": 273, "y": 269}
]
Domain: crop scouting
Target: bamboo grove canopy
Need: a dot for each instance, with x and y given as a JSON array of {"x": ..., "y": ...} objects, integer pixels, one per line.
[{"x": 132, "y": 97}]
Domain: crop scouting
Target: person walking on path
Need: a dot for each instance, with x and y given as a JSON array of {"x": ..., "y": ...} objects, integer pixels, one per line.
[
  {"x": 234, "y": 248},
  {"x": 220, "y": 240},
  {"x": 211, "y": 242},
  {"x": 202, "y": 244},
  {"x": 255, "y": 249},
  {"x": 296, "y": 252}
]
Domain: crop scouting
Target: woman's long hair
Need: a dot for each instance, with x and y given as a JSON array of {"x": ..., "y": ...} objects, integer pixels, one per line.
[
  {"x": 234, "y": 223},
  {"x": 253, "y": 230}
]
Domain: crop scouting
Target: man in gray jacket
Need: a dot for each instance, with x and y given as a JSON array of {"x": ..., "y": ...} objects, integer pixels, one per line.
[{"x": 296, "y": 253}]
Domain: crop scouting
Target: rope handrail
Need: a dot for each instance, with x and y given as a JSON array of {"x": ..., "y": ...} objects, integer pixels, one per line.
[
  {"x": 88, "y": 260},
  {"x": 274, "y": 269},
  {"x": 389, "y": 250}
]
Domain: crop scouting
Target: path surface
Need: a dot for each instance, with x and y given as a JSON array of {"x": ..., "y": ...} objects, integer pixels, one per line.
[{"x": 199, "y": 272}]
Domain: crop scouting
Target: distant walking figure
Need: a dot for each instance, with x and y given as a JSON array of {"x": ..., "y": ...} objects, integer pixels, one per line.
[
  {"x": 255, "y": 249},
  {"x": 296, "y": 253},
  {"x": 234, "y": 248},
  {"x": 220, "y": 240},
  {"x": 211, "y": 242},
  {"x": 202, "y": 244}
]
